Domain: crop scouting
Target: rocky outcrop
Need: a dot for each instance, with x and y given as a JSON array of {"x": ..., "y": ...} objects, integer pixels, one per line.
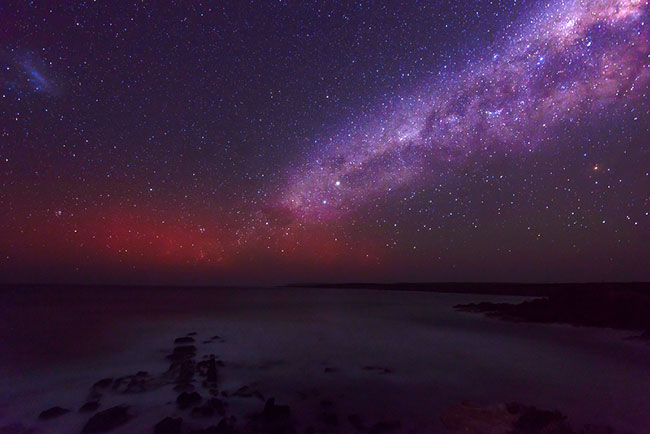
[
  {"x": 107, "y": 420},
  {"x": 512, "y": 418},
  {"x": 619, "y": 309},
  {"x": 169, "y": 425},
  {"x": 188, "y": 399},
  {"x": 52, "y": 413}
]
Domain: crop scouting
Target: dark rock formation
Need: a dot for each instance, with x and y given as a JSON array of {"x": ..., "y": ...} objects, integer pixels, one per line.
[
  {"x": 184, "y": 340},
  {"x": 378, "y": 369},
  {"x": 53, "y": 412},
  {"x": 513, "y": 418},
  {"x": 212, "y": 407},
  {"x": 224, "y": 427},
  {"x": 169, "y": 425},
  {"x": 107, "y": 420},
  {"x": 626, "y": 308},
  {"x": 272, "y": 411},
  {"x": 103, "y": 383},
  {"x": 140, "y": 382},
  {"x": 182, "y": 352},
  {"x": 208, "y": 369},
  {"x": 187, "y": 399}
]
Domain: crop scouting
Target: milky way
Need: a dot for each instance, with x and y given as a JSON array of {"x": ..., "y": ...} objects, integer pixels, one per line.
[
  {"x": 572, "y": 60},
  {"x": 280, "y": 141}
]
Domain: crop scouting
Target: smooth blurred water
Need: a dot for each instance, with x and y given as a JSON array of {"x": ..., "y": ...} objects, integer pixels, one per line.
[{"x": 55, "y": 343}]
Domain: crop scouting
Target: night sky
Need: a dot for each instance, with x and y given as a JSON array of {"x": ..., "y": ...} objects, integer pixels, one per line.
[{"x": 275, "y": 141}]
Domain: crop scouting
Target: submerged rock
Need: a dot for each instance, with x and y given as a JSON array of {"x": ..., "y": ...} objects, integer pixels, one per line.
[
  {"x": 274, "y": 419},
  {"x": 224, "y": 427},
  {"x": 187, "y": 399},
  {"x": 212, "y": 407},
  {"x": 182, "y": 352},
  {"x": 169, "y": 425},
  {"x": 107, "y": 420},
  {"x": 184, "y": 340},
  {"x": 272, "y": 411},
  {"x": 89, "y": 406},
  {"x": 245, "y": 392},
  {"x": 468, "y": 418},
  {"x": 103, "y": 383},
  {"x": 140, "y": 382},
  {"x": 53, "y": 412}
]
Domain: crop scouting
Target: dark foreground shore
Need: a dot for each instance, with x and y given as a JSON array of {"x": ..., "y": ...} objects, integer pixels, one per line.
[{"x": 202, "y": 406}]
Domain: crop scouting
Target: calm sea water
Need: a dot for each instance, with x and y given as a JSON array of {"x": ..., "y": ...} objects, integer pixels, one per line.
[{"x": 306, "y": 346}]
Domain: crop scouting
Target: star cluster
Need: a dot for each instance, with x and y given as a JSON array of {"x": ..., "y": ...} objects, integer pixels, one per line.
[{"x": 271, "y": 141}]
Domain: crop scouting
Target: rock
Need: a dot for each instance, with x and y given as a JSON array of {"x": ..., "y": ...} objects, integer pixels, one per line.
[
  {"x": 53, "y": 412},
  {"x": 378, "y": 369},
  {"x": 89, "y": 406},
  {"x": 191, "y": 334},
  {"x": 513, "y": 418},
  {"x": 184, "y": 340},
  {"x": 182, "y": 352},
  {"x": 533, "y": 420},
  {"x": 210, "y": 408},
  {"x": 597, "y": 429},
  {"x": 103, "y": 383},
  {"x": 224, "y": 427},
  {"x": 186, "y": 370},
  {"x": 385, "y": 427},
  {"x": 243, "y": 392},
  {"x": 184, "y": 387},
  {"x": 203, "y": 411},
  {"x": 169, "y": 425},
  {"x": 208, "y": 369},
  {"x": 187, "y": 399},
  {"x": 468, "y": 418},
  {"x": 275, "y": 412},
  {"x": 140, "y": 382},
  {"x": 107, "y": 420},
  {"x": 612, "y": 305},
  {"x": 211, "y": 375},
  {"x": 218, "y": 405}
]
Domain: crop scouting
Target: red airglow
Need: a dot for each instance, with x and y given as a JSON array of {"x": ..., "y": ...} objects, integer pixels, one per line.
[{"x": 208, "y": 243}]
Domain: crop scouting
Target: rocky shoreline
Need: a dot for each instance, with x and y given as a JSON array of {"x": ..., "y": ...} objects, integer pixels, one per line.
[
  {"x": 618, "y": 309},
  {"x": 201, "y": 406}
]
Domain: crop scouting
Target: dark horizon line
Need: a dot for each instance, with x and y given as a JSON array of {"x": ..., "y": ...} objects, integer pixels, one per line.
[{"x": 507, "y": 287}]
